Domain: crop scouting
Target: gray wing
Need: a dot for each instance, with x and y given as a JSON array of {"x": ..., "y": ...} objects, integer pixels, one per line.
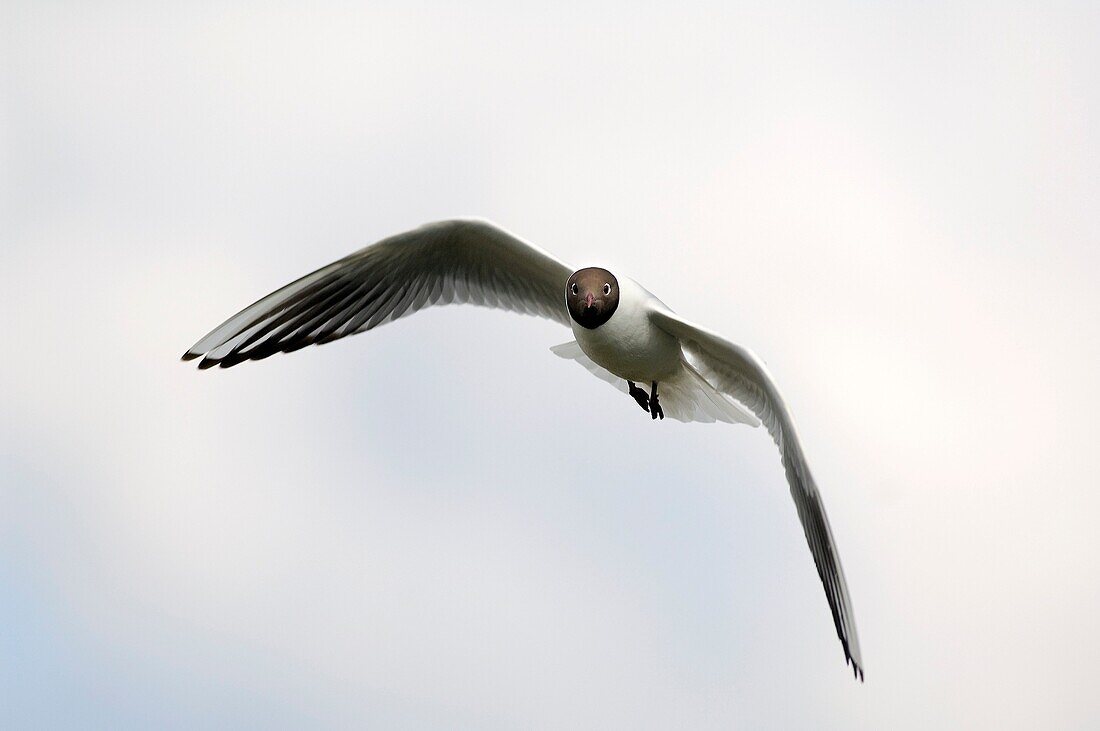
[
  {"x": 739, "y": 373},
  {"x": 460, "y": 261}
]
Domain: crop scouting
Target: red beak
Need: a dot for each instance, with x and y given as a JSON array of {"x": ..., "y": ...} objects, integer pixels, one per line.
[{"x": 589, "y": 299}]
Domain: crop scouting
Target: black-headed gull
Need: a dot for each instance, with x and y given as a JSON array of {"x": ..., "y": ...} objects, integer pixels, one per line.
[{"x": 622, "y": 334}]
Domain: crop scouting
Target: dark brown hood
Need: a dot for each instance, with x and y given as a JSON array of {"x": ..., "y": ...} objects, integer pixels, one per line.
[{"x": 593, "y": 296}]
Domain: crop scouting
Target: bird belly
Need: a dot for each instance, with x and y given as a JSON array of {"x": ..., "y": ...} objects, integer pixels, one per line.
[{"x": 629, "y": 346}]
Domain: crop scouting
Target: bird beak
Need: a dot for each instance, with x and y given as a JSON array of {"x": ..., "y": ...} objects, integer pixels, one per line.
[{"x": 588, "y": 300}]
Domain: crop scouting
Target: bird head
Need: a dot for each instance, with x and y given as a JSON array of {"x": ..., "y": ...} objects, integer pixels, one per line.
[{"x": 592, "y": 295}]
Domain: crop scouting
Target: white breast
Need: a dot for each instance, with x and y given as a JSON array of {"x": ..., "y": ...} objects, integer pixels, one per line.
[{"x": 628, "y": 345}]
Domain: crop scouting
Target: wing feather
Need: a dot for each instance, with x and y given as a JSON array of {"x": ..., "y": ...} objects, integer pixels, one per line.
[
  {"x": 740, "y": 374},
  {"x": 441, "y": 263}
]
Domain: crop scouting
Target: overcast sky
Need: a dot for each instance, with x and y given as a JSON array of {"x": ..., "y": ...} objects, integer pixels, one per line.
[{"x": 441, "y": 525}]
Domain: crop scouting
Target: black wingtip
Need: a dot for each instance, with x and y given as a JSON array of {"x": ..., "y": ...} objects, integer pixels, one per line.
[
  {"x": 207, "y": 363},
  {"x": 189, "y": 355}
]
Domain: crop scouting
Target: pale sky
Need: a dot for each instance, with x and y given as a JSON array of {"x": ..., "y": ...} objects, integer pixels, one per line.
[{"x": 439, "y": 524}]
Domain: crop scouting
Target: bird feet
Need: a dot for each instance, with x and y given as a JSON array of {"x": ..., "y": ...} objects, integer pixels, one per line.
[
  {"x": 639, "y": 395},
  {"x": 655, "y": 409},
  {"x": 648, "y": 401}
]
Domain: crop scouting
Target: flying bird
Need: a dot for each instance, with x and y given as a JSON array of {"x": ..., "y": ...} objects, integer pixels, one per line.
[{"x": 622, "y": 334}]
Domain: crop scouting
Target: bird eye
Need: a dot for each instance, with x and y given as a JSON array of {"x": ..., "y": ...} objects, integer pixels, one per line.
[
  {"x": 573, "y": 288},
  {"x": 606, "y": 288}
]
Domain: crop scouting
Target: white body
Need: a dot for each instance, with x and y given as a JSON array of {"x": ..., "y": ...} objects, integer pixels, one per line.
[
  {"x": 630, "y": 347},
  {"x": 628, "y": 344}
]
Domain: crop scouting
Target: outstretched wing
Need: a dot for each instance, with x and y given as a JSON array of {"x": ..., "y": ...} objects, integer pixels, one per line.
[
  {"x": 739, "y": 373},
  {"x": 461, "y": 261}
]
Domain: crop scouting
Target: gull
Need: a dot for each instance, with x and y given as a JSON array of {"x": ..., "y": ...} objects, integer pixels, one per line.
[{"x": 622, "y": 334}]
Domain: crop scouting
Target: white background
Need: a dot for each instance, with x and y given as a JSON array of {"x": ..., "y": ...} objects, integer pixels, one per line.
[{"x": 441, "y": 525}]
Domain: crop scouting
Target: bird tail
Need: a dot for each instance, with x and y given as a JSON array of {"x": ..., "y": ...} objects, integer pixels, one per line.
[{"x": 685, "y": 397}]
